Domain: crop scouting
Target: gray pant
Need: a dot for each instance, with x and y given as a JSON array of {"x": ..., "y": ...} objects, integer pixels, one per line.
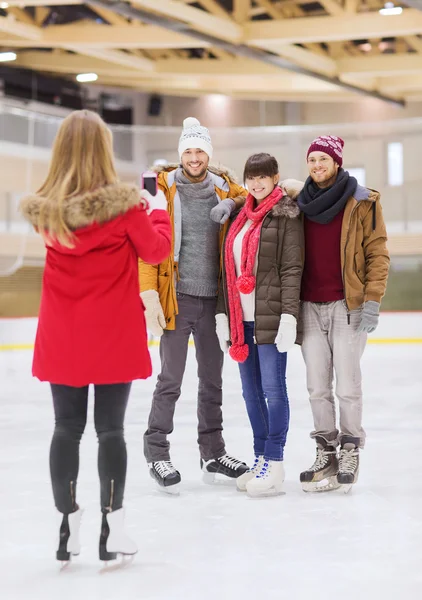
[
  {"x": 331, "y": 345},
  {"x": 196, "y": 316}
]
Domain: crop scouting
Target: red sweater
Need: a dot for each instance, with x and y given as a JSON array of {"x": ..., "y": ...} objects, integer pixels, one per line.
[{"x": 322, "y": 278}]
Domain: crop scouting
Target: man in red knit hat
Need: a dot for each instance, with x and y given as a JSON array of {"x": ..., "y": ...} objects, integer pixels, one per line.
[{"x": 344, "y": 279}]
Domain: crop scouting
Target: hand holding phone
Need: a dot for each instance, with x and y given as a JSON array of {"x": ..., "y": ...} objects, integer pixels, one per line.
[
  {"x": 157, "y": 202},
  {"x": 149, "y": 182}
]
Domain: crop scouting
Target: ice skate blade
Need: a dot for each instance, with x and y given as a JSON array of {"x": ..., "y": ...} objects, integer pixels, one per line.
[
  {"x": 218, "y": 479},
  {"x": 169, "y": 490},
  {"x": 344, "y": 488},
  {"x": 208, "y": 478},
  {"x": 115, "y": 565},
  {"x": 325, "y": 485},
  {"x": 265, "y": 494}
]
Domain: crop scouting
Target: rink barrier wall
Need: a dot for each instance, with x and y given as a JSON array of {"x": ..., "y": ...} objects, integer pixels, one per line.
[{"x": 151, "y": 343}]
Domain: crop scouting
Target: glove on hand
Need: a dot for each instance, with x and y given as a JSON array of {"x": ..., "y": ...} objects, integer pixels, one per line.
[
  {"x": 154, "y": 315},
  {"x": 223, "y": 210},
  {"x": 370, "y": 317},
  {"x": 157, "y": 202},
  {"x": 223, "y": 331},
  {"x": 286, "y": 335}
]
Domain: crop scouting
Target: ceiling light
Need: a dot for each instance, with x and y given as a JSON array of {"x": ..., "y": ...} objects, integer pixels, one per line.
[
  {"x": 365, "y": 47},
  {"x": 86, "y": 77},
  {"x": 4, "y": 5},
  {"x": 389, "y": 10},
  {"x": 7, "y": 56}
]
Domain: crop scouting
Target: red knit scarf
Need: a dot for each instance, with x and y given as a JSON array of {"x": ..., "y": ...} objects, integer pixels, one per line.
[{"x": 245, "y": 283}]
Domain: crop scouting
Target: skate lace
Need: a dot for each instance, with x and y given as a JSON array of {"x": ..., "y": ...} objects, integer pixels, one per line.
[
  {"x": 164, "y": 468},
  {"x": 265, "y": 470},
  {"x": 321, "y": 460},
  {"x": 256, "y": 464},
  {"x": 229, "y": 461},
  {"x": 348, "y": 461}
]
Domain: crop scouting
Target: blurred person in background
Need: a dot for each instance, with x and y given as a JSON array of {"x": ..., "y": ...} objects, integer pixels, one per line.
[
  {"x": 344, "y": 279},
  {"x": 91, "y": 327},
  {"x": 180, "y": 297},
  {"x": 258, "y": 311}
]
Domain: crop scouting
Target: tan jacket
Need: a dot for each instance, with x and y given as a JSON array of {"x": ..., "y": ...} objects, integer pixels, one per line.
[
  {"x": 162, "y": 277},
  {"x": 364, "y": 256}
]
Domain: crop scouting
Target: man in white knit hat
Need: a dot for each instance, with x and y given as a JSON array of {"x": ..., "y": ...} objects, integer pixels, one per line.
[{"x": 180, "y": 300}]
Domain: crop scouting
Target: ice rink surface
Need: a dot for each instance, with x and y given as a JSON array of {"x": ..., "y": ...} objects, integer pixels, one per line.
[{"x": 213, "y": 542}]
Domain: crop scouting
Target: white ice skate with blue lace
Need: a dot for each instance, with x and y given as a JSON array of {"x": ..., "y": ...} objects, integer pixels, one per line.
[
  {"x": 250, "y": 474},
  {"x": 269, "y": 481}
]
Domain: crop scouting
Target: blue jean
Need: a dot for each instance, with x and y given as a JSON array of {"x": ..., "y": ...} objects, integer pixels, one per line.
[{"x": 263, "y": 376}]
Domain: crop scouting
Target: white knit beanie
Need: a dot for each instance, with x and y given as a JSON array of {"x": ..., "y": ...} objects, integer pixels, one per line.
[{"x": 194, "y": 136}]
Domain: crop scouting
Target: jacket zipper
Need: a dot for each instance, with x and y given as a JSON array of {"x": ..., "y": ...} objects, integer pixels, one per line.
[
  {"x": 344, "y": 265},
  {"x": 257, "y": 270},
  {"x": 223, "y": 277}
]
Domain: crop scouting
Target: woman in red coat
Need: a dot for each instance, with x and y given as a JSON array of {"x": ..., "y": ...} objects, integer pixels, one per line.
[{"x": 91, "y": 327}]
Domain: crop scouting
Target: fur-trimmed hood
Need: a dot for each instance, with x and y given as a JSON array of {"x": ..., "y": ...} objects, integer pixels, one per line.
[
  {"x": 287, "y": 205},
  {"x": 100, "y": 206},
  {"x": 221, "y": 171}
]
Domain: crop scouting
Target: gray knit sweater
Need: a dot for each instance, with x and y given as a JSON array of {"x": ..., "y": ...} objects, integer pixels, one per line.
[{"x": 199, "y": 251}]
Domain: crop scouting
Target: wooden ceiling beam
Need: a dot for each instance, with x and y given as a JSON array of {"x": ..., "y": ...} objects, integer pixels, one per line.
[
  {"x": 11, "y": 26},
  {"x": 332, "y": 28},
  {"x": 195, "y": 17}
]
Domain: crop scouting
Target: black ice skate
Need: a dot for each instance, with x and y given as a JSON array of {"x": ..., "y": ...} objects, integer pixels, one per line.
[
  {"x": 322, "y": 476},
  {"x": 69, "y": 544},
  {"x": 167, "y": 477},
  {"x": 225, "y": 465},
  {"x": 349, "y": 463}
]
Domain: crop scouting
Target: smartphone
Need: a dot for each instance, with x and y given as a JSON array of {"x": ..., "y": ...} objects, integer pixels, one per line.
[{"x": 149, "y": 182}]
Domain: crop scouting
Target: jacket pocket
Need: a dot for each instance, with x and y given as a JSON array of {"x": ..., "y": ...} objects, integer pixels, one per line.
[{"x": 360, "y": 266}]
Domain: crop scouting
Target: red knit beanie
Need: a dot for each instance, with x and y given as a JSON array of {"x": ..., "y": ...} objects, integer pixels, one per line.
[{"x": 330, "y": 144}]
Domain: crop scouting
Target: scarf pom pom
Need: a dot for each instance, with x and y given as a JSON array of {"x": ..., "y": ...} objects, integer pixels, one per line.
[
  {"x": 246, "y": 284},
  {"x": 239, "y": 353}
]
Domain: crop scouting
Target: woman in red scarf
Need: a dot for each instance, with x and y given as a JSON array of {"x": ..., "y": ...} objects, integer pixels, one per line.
[{"x": 258, "y": 310}]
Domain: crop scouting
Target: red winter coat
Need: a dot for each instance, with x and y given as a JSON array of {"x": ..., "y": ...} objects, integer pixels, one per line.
[{"x": 91, "y": 326}]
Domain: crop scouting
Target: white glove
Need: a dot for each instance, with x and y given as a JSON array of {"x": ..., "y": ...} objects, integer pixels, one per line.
[
  {"x": 157, "y": 202},
  {"x": 154, "y": 315},
  {"x": 286, "y": 334},
  {"x": 223, "y": 331}
]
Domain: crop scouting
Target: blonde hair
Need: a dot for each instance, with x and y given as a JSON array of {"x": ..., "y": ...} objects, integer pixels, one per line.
[{"x": 82, "y": 161}]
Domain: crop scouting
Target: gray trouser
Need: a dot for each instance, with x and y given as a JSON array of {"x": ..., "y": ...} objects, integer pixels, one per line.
[
  {"x": 331, "y": 345},
  {"x": 196, "y": 316}
]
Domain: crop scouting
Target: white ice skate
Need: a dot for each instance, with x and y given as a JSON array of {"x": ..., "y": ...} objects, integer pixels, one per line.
[
  {"x": 250, "y": 474},
  {"x": 114, "y": 540},
  {"x": 269, "y": 481}
]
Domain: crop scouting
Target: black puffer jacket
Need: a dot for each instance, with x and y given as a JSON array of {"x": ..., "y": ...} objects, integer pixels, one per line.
[{"x": 279, "y": 274}]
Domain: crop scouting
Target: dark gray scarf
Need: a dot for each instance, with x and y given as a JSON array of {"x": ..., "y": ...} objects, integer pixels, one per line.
[
  {"x": 202, "y": 190},
  {"x": 322, "y": 205}
]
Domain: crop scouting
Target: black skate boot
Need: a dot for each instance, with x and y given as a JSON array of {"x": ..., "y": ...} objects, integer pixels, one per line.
[
  {"x": 225, "y": 465},
  {"x": 69, "y": 544},
  {"x": 167, "y": 477},
  {"x": 348, "y": 463},
  {"x": 322, "y": 476}
]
